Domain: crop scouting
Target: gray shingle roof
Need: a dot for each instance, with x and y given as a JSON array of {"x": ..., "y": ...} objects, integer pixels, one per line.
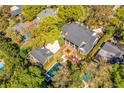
[
  {"x": 109, "y": 50},
  {"x": 78, "y": 34},
  {"x": 17, "y": 27},
  {"x": 15, "y": 10},
  {"x": 35, "y": 21},
  {"x": 121, "y": 47},
  {"x": 47, "y": 12},
  {"x": 90, "y": 44},
  {"x": 41, "y": 54},
  {"x": 20, "y": 26}
]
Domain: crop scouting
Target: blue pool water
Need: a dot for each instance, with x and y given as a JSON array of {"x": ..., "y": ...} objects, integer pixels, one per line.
[
  {"x": 53, "y": 68},
  {"x": 47, "y": 78},
  {"x": 1, "y": 66},
  {"x": 84, "y": 77}
]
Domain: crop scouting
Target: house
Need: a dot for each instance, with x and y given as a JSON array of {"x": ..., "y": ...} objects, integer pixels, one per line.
[
  {"x": 46, "y": 12},
  {"x": 79, "y": 37},
  {"x": 35, "y": 21},
  {"x": 19, "y": 26},
  {"x": 109, "y": 51},
  {"x": 40, "y": 55},
  {"x": 15, "y": 10}
]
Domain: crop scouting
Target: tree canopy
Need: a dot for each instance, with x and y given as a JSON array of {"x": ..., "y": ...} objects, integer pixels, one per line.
[
  {"x": 98, "y": 15},
  {"x": 72, "y": 13},
  {"x": 30, "y": 12},
  {"x": 120, "y": 13},
  {"x": 46, "y": 31}
]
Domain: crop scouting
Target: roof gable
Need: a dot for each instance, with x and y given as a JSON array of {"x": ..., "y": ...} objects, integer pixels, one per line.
[
  {"x": 77, "y": 33},
  {"x": 41, "y": 54},
  {"x": 108, "y": 50},
  {"x": 47, "y": 12},
  {"x": 15, "y": 10}
]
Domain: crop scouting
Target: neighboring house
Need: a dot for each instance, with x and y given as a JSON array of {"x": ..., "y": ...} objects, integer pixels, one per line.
[
  {"x": 79, "y": 37},
  {"x": 46, "y": 12},
  {"x": 35, "y": 21},
  {"x": 19, "y": 26},
  {"x": 109, "y": 50},
  {"x": 15, "y": 10},
  {"x": 40, "y": 55}
]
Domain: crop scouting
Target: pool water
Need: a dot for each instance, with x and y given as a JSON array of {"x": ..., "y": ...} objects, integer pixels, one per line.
[
  {"x": 47, "y": 78},
  {"x": 53, "y": 68},
  {"x": 84, "y": 77},
  {"x": 25, "y": 37},
  {"x": 1, "y": 66}
]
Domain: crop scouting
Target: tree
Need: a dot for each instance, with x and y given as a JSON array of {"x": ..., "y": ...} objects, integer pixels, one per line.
[
  {"x": 72, "y": 13},
  {"x": 69, "y": 77},
  {"x": 122, "y": 36},
  {"x": 102, "y": 75},
  {"x": 118, "y": 76},
  {"x": 120, "y": 13},
  {"x": 3, "y": 22},
  {"x": 115, "y": 22},
  {"x": 30, "y": 12},
  {"x": 8, "y": 47},
  {"x": 5, "y": 10},
  {"x": 14, "y": 74},
  {"x": 110, "y": 29},
  {"x": 69, "y": 64},
  {"x": 46, "y": 31},
  {"x": 99, "y": 16},
  {"x": 13, "y": 35}
]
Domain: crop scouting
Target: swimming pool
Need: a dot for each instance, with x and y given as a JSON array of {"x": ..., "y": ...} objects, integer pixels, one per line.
[
  {"x": 55, "y": 67},
  {"x": 1, "y": 66},
  {"x": 84, "y": 77}
]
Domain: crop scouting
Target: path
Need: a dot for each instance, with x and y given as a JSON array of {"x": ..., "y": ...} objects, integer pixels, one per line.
[
  {"x": 85, "y": 84},
  {"x": 116, "y": 7}
]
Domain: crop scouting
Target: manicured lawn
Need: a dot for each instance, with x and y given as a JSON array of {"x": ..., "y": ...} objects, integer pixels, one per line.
[
  {"x": 97, "y": 46},
  {"x": 53, "y": 60}
]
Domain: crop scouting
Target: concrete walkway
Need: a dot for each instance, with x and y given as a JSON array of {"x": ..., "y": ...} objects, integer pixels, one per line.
[
  {"x": 1, "y": 61},
  {"x": 116, "y": 7},
  {"x": 85, "y": 84}
]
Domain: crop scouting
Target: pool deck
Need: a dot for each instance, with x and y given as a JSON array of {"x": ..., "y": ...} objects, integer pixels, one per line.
[
  {"x": 1, "y": 61},
  {"x": 52, "y": 60},
  {"x": 53, "y": 68}
]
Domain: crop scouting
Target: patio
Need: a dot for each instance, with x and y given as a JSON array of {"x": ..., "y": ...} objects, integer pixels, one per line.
[
  {"x": 71, "y": 54},
  {"x": 64, "y": 54}
]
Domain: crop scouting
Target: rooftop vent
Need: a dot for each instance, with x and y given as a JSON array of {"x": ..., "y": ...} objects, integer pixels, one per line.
[
  {"x": 94, "y": 34},
  {"x": 47, "y": 52},
  {"x": 42, "y": 47}
]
